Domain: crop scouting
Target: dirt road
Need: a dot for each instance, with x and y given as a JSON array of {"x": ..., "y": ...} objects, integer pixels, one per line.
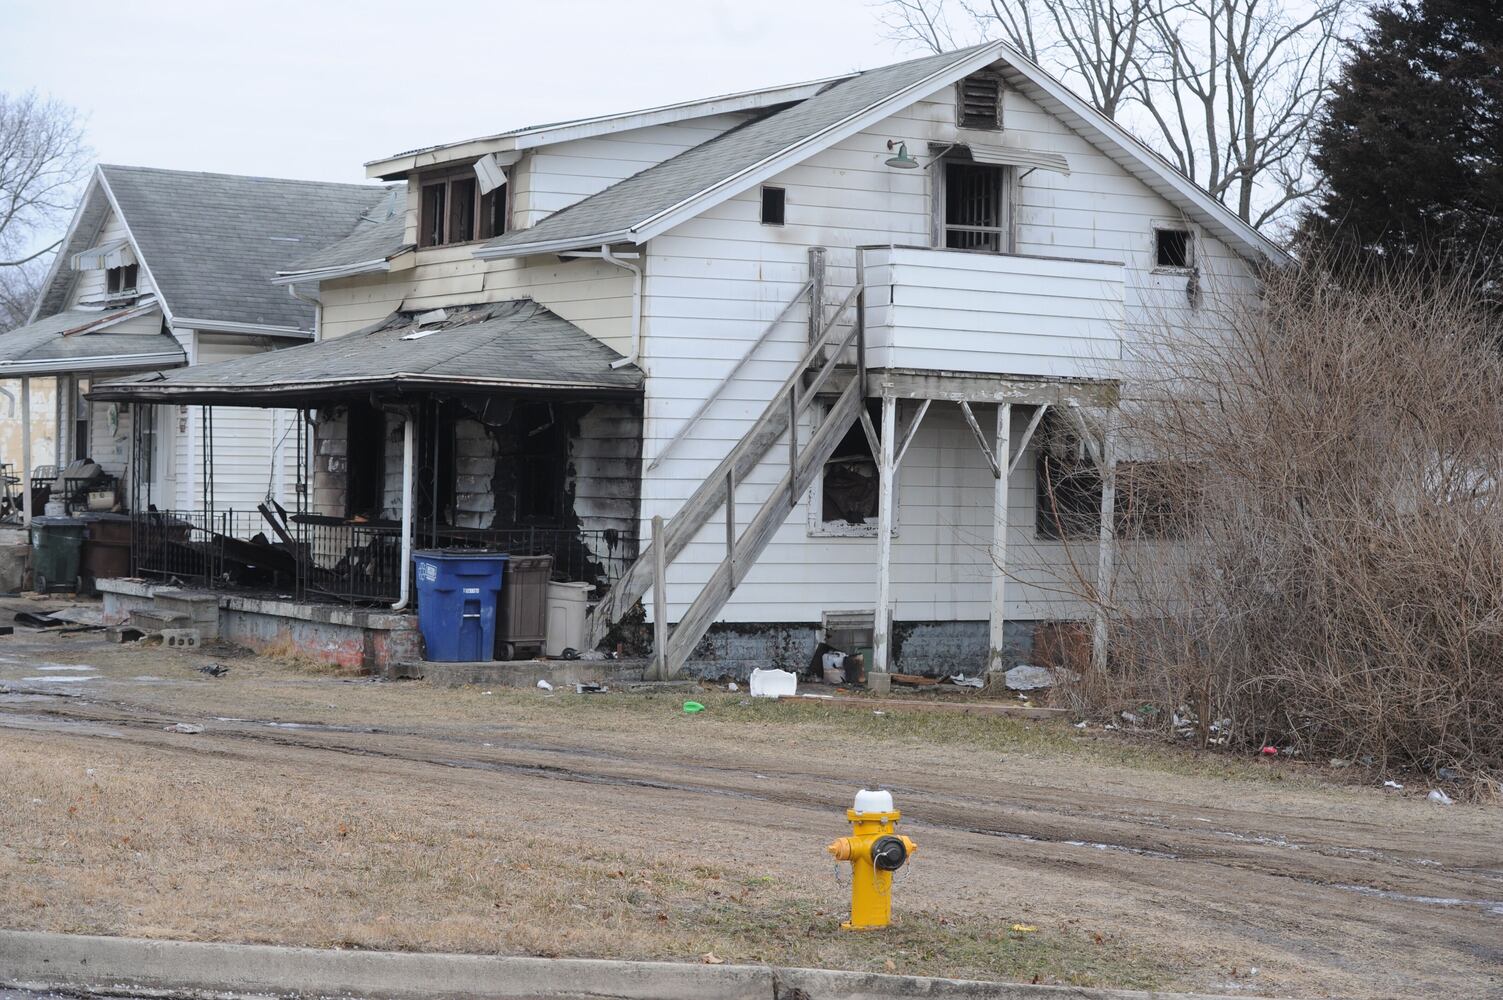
[{"x": 319, "y": 810}]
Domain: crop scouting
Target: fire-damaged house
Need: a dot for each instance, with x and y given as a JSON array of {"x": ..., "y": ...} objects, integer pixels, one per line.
[{"x": 835, "y": 360}]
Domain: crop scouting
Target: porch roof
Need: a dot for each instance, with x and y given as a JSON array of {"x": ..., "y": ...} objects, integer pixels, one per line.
[
  {"x": 81, "y": 340},
  {"x": 516, "y": 345}
]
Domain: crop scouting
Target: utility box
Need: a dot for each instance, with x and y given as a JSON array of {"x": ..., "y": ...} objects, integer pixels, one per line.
[
  {"x": 524, "y": 607},
  {"x": 568, "y": 603}
]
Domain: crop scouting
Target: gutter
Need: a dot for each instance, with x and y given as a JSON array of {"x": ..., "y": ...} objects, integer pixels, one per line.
[
  {"x": 51, "y": 366},
  {"x": 328, "y": 273},
  {"x": 230, "y": 326},
  {"x": 119, "y": 392}
]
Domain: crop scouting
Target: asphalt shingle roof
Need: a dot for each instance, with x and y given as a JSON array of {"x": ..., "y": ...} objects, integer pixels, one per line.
[
  {"x": 377, "y": 235},
  {"x": 631, "y": 202},
  {"x": 213, "y": 242},
  {"x": 516, "y": 343},
  {"x": 50, "y": 339}
]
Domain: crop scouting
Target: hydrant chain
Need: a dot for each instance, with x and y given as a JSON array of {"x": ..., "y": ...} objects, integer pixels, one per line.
[{"x": 874, "y": 852}]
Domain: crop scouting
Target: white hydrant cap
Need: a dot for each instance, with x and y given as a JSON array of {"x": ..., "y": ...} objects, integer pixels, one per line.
[{"x": 873, "y": 802}]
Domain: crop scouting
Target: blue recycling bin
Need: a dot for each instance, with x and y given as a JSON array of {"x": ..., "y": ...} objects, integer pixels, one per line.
[{"x": 457, "y": 591}]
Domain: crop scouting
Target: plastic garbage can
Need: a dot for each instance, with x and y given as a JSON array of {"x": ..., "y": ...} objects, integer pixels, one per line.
[
  {"x": 457, "y": 590},
  {"x": 524, "y": 606},
  {"x": 567, "y": 604},
  {"x": 55, "y": 544}
]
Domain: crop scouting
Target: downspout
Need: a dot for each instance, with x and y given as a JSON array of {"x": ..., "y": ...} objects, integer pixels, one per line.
[
  {"x": 408, "y": 463},
  {"x": 312, "y": 300},
  {"x": 609, "y": 256}
]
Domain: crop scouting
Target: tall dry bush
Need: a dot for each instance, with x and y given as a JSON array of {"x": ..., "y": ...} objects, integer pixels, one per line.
[{"x": 1334, "y": 459}]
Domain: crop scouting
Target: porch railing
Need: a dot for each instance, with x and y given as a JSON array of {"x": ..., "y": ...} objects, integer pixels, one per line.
[{"x": 333, "y": 559}]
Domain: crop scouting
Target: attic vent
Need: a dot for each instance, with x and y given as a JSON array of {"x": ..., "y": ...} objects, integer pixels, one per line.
[{"x": 978, "y": 102}]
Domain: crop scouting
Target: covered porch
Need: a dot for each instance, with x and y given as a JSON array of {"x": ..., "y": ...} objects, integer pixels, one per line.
[{"x": 499, "y": 427}]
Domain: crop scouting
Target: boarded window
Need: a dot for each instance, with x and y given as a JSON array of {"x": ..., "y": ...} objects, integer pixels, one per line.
[
  {"x": 975, "y": 207},
  {"x": 978, "y": 102},
  {"x": 848, "y": 487},
  {"x": 120, "y": 280},
  {"x": 1172, "y": 248},
  {"x": 774, "y": 200}
]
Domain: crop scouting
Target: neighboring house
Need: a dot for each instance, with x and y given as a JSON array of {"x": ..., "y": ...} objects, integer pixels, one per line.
[
  {"x": 163, "y": 269},
  {"x": 577, "y": 328}
]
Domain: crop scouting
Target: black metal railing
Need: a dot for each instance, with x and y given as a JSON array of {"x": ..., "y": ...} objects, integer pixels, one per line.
[{"x": 328, "y": 558}]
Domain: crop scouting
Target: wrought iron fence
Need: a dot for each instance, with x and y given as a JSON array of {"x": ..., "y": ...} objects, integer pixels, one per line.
[{"x": 331, "y": 558}]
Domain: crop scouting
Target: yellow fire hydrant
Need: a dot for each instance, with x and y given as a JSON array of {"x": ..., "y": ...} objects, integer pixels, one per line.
[{"x": 875, "y": 852}]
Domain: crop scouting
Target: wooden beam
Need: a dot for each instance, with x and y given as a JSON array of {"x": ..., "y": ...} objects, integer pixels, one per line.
[
  {"x": 887, "y": 467},
  {"x": 983, "y": 388},
  {"x": 1033, "y": 425},
  {"x": 998, "y": 620},
  {"x": 873, "y": 439},
  {"x": 659, "y": 600},
  {"x": 910, "y": 433},
  {"x": 1107, "y": 542},
  {"x": 986, "y": 446}
]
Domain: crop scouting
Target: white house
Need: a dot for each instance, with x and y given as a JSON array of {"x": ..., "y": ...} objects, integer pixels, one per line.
[
  {"x": 935, "y": 271},
  {"x": 162, "y": 269}
]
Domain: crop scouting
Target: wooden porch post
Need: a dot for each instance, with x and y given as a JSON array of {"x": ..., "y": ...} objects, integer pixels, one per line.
[
  {"x": 26, "y": 511},
  {"x": 879, "y": 677},
  {"x": 1107, "y": 541},
  {"x": 998, "y": 641},
  {"x": 659, "y": 601}
]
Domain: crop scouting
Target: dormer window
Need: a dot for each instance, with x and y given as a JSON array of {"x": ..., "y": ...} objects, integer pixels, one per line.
[
  {"x": 120, "y": 280},
  {"x": 452, "y": 209},
  {"x": 978, "y": 102}
]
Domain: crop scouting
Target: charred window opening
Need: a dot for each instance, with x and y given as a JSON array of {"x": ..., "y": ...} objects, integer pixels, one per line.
[
  {"x": 848, "y": 486},
  {"x": 774, "y": 204},
  {"x": 452, "y": 210},
  {"x": 1151, "y": 499},
  {"x": 436, "y": 467},
  {"x": 1069, "y": 497},
  {"x": 1172, "y": 249},
  {"x": 541, "y": 464},
  {"x": 978, "y": 102},
  {"x": 975, "y": 200},
  {"x": 365, "y": 460},
  {"x": 121, "y": 280}
]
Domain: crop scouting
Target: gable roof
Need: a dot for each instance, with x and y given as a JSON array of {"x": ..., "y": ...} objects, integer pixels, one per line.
[
  {"x": 633, "y": 210},
  {"x": 212, "y": 242},
  {"x": 377, "y": 237},
  {"x": 666, "y": 194},
  {"x": 531, "y": 136},
  {"x": 516, "y": 344}
]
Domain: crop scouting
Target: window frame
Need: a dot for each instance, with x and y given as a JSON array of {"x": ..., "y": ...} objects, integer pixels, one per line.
[
  {"x": 782, "y": 205},
  {"x": 446, "y": 179},
  {"x": 939, "y": 201},
  {"x": 1189, "y": 266},
  {"x": 820, "y": 528},
  {"x": 115, "y": 279}
]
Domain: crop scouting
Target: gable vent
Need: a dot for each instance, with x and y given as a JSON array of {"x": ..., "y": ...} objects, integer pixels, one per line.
[{"x": 979, "y": 102}]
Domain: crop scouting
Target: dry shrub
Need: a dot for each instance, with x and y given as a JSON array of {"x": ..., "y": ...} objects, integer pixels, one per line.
[{"x": 1335, "y": 456}]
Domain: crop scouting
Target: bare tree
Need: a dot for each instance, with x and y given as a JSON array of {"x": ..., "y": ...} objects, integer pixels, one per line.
[
  {"x": 42, "y": 159},
  {"x": 1225, "y": 89},
  {"x": 19, "y": 287}
]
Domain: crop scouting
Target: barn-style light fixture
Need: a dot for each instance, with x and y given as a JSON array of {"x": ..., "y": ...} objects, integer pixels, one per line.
[{"x": 902, "y": 161}]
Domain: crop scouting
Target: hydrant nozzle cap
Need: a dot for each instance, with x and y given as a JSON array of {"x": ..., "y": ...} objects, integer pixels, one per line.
[{"x": 868, "y": 801}]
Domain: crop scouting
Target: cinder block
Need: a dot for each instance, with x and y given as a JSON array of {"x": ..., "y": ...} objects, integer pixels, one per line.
[{"x": 181, "y": 638}]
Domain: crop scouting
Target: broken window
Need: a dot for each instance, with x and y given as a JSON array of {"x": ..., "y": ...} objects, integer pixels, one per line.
[
  {"x": 365, "y": 461},
  {"x": 541, "y": 464},
  {"x": 848, "y": 483},
  {"x": 452, "y": 210},
  {"x": 975, "y": 200},
  {"x": 1151, "y": 499},
  {"x": 978, "y": 102},
  {"x": 121, "y": 280},
  {"x": 774, "y": 202},
  {"x": 1173, "y": 249}
]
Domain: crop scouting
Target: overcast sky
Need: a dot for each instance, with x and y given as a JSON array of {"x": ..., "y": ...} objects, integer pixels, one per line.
[{"x": 314, "y": 88}]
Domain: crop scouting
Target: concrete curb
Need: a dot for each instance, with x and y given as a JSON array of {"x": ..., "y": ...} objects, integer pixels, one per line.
[{"x": 37, "y": 960}]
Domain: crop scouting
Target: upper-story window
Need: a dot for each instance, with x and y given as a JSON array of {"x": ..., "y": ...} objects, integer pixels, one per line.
[
  {"x": 978, "y": 101},
  {"x": 120, "y": 280},
  {"x": 1173, "y": 249},
  {"x": 976, "y": 215},
  {"x": 452, "y": 209}
]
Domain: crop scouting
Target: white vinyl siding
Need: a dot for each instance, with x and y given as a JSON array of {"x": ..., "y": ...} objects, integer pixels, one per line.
[{"x": 90, "y": 285}]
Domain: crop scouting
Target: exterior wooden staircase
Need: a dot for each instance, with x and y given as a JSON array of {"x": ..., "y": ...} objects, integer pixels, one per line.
[{"x": 830, "y": 351}]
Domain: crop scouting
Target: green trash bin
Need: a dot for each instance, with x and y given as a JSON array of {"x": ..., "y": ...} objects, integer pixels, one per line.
[{"x": 55, "y": 545}]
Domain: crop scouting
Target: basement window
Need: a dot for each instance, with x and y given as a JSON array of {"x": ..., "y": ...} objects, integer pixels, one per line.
[
  {"x": 845, "y": 497},
  {"x": 774, "y": 202},
  {"x": 452, "y": 210},
  {"x": 121, "y": 280},
  {"x": 1173, "y": 249},
  {"x": 978, "y": 102}
]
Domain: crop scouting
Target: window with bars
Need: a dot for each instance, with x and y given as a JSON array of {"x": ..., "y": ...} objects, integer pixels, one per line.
[
  {"x": 978, "y": 102},
  {"x": 975, "y": 203}
]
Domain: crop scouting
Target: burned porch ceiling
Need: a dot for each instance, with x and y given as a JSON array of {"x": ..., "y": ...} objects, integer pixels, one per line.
[{"x": 515, "y": 345}]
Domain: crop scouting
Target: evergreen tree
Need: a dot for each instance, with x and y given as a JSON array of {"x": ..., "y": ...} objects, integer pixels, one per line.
[{"x": 1411, "y": 143}]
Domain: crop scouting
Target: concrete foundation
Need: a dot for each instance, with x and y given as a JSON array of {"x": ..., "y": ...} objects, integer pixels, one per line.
[{"x": 372, "y": 640}]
